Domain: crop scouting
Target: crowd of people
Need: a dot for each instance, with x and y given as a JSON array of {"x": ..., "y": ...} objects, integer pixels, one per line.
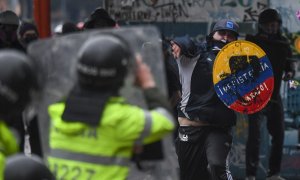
[{"x": 95, "y": 134}]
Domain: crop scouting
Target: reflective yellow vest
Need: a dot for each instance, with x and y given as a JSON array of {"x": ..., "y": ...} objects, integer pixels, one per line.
[
  {"x": 2, "y": 164},
  {"x": 8, "y": 145},
  {"x": 80, "y": 151}
]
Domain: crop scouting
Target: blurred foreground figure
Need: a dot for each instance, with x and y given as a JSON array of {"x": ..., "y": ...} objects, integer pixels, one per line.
[
  {"x": 66, "y": 28},
  {"x": 9, "y": 23},
  {"x": 22, "y": 167},
  {"x": 27, "y": 33},
  {"x": 95, "y": 132},
  {"x": 278, "y": 51},
  {"x": 69, "y": 27},
  {"x": 17, "y": 80}
]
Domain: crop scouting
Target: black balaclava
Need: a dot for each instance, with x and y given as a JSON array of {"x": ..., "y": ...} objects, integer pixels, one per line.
[
  {"x": 9, "y": 23},
  {"x": 268, "y": 16},
  {"x": 220, "y": 44},
  {"x": 215, "y": 44},
  {"x": 25, "y": 27},
  {"x": 8, "y": 34}
]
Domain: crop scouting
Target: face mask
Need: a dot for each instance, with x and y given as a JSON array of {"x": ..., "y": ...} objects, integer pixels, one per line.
[
  {"x": 28, "y": 39},
  {"x": 10, "y": 33},
  {"x": 271, "y": 28},
  {"x": 220, "y": 44}
]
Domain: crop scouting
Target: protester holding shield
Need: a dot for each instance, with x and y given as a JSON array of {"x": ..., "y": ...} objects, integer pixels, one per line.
[
  {"x": 278, "y": 51},
  {"x": 94, "y": 132},
  {"x": 204, "y": 138}
]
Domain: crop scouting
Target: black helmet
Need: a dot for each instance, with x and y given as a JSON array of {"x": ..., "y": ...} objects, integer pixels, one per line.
[
  {"x": 269, "y": 15},
  {"x": 103, "y": 62},
  {"x": 16, "y": 81},
  {"x": 21, "y": 167},
  {"x": 9, "y": 17}
]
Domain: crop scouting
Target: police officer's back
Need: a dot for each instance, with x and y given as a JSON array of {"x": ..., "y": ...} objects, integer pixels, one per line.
[{"x": 94, "y": 132}]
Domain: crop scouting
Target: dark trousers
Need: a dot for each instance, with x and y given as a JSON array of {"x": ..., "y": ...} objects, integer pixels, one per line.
[
  {"x": 203, "y": 152},
  {"x": 275, "y": 126}
]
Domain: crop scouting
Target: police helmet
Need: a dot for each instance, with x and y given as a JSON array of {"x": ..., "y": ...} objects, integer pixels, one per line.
[
  {"x": 269, "y": 15},
  {"x": 9, "y": 17},
  {"x": 16, "y": 80},
  {"x": 103, "y": 62},
  {"x": 22, "y": 167}
]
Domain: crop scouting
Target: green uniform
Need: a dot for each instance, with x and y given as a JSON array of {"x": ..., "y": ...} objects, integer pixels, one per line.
[
  {"x": 80, "y": 151},
  {"x": 8, "y": 145}
]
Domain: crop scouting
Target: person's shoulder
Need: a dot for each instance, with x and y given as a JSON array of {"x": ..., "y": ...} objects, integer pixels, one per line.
[
  {"x": 203, "y": 49},
  {"x": 182, "y": 40},
  {"x": 201, "y": 46}
]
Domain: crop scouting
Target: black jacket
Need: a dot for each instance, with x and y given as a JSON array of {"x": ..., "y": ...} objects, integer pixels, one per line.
[
  {"x": 278, "y": 52},
  {"x": 203, "y": 102}
]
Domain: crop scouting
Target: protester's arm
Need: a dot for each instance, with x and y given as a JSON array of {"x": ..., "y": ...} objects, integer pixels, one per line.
[{"x": 176, "y": 50}]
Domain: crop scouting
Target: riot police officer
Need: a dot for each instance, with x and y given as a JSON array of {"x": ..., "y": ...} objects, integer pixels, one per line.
[
  {"x": 17, "y": 81},
  {"x": 94, "y": 132}
]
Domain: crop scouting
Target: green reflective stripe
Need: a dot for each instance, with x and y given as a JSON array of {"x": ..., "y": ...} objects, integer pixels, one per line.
[
  {"x": 147, "y": 128},
  {"x": 166, "y": 113},
  {"x": 99, "y": 160}
]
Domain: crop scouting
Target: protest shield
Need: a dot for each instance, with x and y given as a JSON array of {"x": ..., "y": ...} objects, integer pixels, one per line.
[{"x": 243, "y": 77}]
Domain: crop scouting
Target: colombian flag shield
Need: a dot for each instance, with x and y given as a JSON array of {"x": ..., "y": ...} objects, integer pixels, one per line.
[{"x": 243, "y": 77}]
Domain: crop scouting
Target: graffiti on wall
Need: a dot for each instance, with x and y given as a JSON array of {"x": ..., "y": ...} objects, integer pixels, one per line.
[
  {"x": 288, "y": 11},
  {"x": 186, "y": 10}
]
